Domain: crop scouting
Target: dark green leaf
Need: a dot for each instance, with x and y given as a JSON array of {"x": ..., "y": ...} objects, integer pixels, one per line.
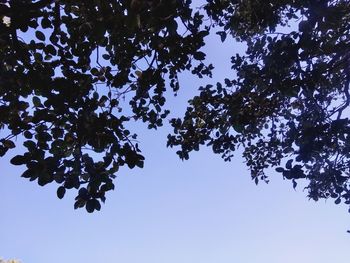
[
  {"x": 18, "y": 160},
  {"x": 199, "y": 55},
  {"x": 40, "y": 35},
  {"x": 61, "y": 192}
]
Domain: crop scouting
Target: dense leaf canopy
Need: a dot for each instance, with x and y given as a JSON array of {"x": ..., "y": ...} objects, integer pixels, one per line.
[{"x": 74, "y": 73}]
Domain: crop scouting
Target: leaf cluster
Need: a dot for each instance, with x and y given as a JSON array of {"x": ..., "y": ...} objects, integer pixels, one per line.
[
  {"x": 288, "y": 105},
  {"x": 73, "y": 74}
]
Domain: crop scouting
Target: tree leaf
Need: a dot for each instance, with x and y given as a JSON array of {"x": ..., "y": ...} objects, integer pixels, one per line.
[
  {"x": 61, "y": 192},
  {"x": 40, "y": 35},
  {"x": 18, "y": 160}
]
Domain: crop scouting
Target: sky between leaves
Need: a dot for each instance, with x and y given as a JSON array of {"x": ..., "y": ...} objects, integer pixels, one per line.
[{"x": 202, "y": 210}]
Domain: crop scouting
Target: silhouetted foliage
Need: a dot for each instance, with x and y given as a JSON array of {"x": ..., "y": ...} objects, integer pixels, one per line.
[
  {"x": 9, "y": 261},
  {"x": 74, "y": 73},
  {"x": 289, "y": 100}
]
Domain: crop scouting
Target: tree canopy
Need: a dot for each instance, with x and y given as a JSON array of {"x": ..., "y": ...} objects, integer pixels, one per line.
[
  {"x": 74, "y": 73},
  {"x": 9, "y": 261}
]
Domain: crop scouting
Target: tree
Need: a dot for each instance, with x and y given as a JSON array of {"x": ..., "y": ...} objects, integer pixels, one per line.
[
  {"x": 289, "y": 102},
  {"x": 9, "y": 261},
  {"x": 63, "y": 84}
]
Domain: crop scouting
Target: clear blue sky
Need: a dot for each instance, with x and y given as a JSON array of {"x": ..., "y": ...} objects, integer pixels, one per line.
[{"x": 199, "y": 211}]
